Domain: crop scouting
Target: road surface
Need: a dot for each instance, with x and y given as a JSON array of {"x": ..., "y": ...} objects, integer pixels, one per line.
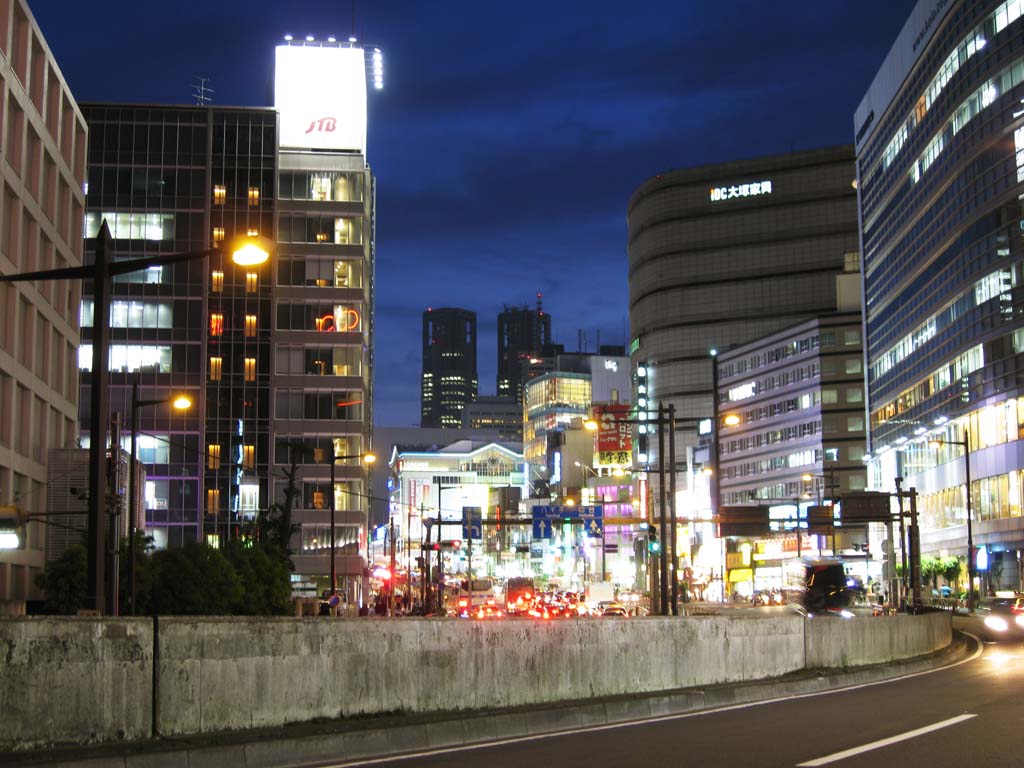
[{"x": 970, "y": 714}]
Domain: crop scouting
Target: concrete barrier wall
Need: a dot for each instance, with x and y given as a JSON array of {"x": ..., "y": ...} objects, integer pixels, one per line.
[
  {"x": 220, "y": 675},
  {"x": 87, "y": 680},
  {"x": 74, "y": 680},
  {"x": 833, "y": 642}
]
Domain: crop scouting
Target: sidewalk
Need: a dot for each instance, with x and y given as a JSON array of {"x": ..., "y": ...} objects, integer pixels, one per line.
[{"x": 311, "y": 743}]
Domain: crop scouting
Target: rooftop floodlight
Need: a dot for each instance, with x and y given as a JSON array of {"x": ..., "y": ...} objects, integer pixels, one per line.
[
  {"x": 288, "y": 37},
  {"x": 309, "y": 38},
  {"x": 332, "y": 39},
  {"x": 352, "y": 39}
]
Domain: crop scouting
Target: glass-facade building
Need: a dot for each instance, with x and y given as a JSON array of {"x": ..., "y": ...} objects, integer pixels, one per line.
[
  {"x": 173, "y": 180},
  {"x": 449, "y": 379},
  {"x": 940, "y": 164}
]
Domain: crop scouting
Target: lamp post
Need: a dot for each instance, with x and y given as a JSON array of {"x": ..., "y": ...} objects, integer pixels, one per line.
[
  {"x": 179, "y": 403},
  {"x": 366, "y": 458},
  {"x": 245, "y": 251},
  {"x": 966, "y": 445}
]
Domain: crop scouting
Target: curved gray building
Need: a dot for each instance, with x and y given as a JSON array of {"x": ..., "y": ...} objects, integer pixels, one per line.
[{"x": 721, "y": 255}]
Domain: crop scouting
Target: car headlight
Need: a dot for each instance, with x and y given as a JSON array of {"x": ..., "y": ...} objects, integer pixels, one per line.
[
  {"x": 996, "y": 623},
  {"x": 1019, "y": 619}
]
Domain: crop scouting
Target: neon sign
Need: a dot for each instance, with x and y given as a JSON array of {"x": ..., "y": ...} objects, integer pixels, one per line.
[
  {"x": 336, "y": 321},
  {"x": 751, "y": 189}
]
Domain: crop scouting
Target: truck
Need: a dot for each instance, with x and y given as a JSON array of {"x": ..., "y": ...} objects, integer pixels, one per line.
[
  {"x": 599, "y": 592},
  {"x": 519, "y": 595},
  {"x": 474, "y": 595}
]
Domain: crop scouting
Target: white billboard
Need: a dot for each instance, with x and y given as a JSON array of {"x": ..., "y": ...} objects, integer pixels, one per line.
[{"x": 320, "y": 94}]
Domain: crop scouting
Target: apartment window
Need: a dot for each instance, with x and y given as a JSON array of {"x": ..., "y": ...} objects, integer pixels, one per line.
[
  {"x": 250, "y": 326},
  {"x": 213, "y": 456},
  {"x": 217, "y": 281},
  {"x": 218, "y": 235},
  {"x": 254, "y": 196},
  {"x": 215, "y": 368},
  {"x": 220, "y": 194},
  {"x": 854, "y": 424},
  {"x": 853, "y": 365},
  {"x": 216, "y": 324},
  {"x": 251, "y": 282},
  {"x": 212, "y": 501},
  {"x": 250, "y": 369},
  {"x": 249, "y": 457},
  {"x": 252, "y": 232}
]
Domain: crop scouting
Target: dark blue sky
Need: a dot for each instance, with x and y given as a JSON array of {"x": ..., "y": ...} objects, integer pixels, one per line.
[{"x": 510, "y": 136}]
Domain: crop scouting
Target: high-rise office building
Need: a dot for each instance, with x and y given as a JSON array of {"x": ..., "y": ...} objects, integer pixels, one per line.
[
  {"x": 175, "y": 180},
  {"x": 323, "y": 332},
  {"x": 723, "y": 254},
  {"x": 522, "y": 333},
  {"x": 41, "y": 207},
  {"x": 940, "y": 165},
  {"x": 449, "y": 380},
  {"x": 277, "y": 358}
]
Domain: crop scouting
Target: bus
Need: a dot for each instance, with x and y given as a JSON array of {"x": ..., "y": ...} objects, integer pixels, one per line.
[
  {"x": 474, "y": 595},
  {"x": 519, "y": 594}
]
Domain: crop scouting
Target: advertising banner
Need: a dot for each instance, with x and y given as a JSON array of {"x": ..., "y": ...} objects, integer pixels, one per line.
[
  {"x": 613, "y": 443},
  {"x": 320, "y": 94}
]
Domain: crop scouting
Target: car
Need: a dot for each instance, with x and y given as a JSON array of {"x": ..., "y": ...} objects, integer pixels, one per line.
[
  {"x": 615, "y": 609},
  {"x": 997, "y": 618},
  {"x": 488, "y": 611}
]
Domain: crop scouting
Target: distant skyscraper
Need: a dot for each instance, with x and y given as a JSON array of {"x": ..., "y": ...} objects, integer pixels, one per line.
[
  {"x": 449, "y": 366},
  {"x": 522, "y": 333}
]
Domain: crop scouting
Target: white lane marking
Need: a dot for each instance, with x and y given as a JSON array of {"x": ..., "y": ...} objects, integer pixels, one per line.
[
  {"x": 837, "y": 756},
  {"x": 632, "y": 723}
]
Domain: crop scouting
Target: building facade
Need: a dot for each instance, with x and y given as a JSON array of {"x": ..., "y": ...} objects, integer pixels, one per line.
[
  {"x": 177, "y": 180},
  {"x": 41, "y": 213},
  {"x": 522, "y": 333},
  {"x": 797, "y": 397},
  {"x": 495, "y": 413},
  {"x": 940, "y": 165},
  {"x": 323, "y": 305},
  {"x": 449, "y": 381},
  {"x": 723, "y": 254}
]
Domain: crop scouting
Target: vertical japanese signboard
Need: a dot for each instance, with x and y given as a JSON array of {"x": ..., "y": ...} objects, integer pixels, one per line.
[{"x": 613, "y": 444}]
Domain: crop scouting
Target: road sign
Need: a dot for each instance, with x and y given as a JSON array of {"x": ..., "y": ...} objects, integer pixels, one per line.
[
  {"x": 542, "y": 528},
  {"x": 593, "y": 521},
  {"x": 820, "y": 519},
  {"x": 472, "y": 523},
  {"x": 751, "y": 520},
  {"x": 864, "y": 507}
]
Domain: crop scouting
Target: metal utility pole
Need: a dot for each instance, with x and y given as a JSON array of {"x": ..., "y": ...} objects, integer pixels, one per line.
[
  {"x": 662, "y": 513},
  {"x": 673, "y": 551},
  {"x": 903, "y": 543},
  {"x": 113, "y": 517},
  {"x": 394, "y": 576},
  {"x": 915, "y": 552}
]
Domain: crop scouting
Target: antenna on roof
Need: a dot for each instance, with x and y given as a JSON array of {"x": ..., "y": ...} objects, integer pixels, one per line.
[
  {"x": 540, "y": 304},
  {"x": 201, "y": 92}
]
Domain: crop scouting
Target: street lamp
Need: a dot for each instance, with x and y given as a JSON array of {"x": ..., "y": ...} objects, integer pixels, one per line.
[
  {"x": 966, "y": 445},
  {"x": 366, "y": 458},
  {"x": 245, "y": 251},
  {"x": 179, "y": 403}
]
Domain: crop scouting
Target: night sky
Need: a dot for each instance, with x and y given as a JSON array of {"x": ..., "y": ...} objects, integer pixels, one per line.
[{"x": 510, "y": 136}]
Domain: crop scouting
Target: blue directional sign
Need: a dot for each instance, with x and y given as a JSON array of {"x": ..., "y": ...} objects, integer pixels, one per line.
[
  {"x": 472, "y": 523},
  {"x": 592, "y": 519},
  {"x": 542, "y": 528}
]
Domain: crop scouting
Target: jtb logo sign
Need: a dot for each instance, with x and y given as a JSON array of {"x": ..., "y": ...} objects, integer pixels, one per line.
[{"x": 323, "y": 125}]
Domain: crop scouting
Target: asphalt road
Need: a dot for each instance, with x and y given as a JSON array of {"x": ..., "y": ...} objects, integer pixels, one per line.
[{"x": 971, "y": 714}]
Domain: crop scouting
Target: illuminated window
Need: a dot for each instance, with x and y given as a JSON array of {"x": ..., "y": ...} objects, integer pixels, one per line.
[
  {"x": 216, "y": 324},
  {"x": 215, "y": 368},
  {"x": 252, "y": 232},
  {"x": 220, "y": 194},
  {"x": 318, "y": 500},
  {"x": 249, "y": 457},
  {"x": 321, "y": 237},
  {"x": 254, "y": 196},
  {"x": 250, "y": 325},
  {"x": 251, "y": 281},
  {"x": 217, "y": 281},
  {"x": 212, "y": 501},
  {"x": 218, "y": 235},
  {"x": 213, "y": 456},
  {"x": 250, "y": 369}
]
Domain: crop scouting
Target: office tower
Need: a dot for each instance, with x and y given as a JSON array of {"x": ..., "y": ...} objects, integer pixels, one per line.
[
  {"x": 522, "y": 334},
  {"x": 940, "y": 161},
  {"x": 449, "y": 380}
]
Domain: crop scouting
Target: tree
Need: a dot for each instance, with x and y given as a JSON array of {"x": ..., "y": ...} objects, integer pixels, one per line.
[
  {"x": 264, "y": 576},
  {"x": 194, "y": 580},
  {"x": 274, "y": 527},
  {"x": 65, "y": 581}
]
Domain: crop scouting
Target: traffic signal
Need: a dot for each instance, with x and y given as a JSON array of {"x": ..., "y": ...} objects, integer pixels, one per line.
[
  {"x": 653, "y": 545},
  {"x": 12, "y": 528}
]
